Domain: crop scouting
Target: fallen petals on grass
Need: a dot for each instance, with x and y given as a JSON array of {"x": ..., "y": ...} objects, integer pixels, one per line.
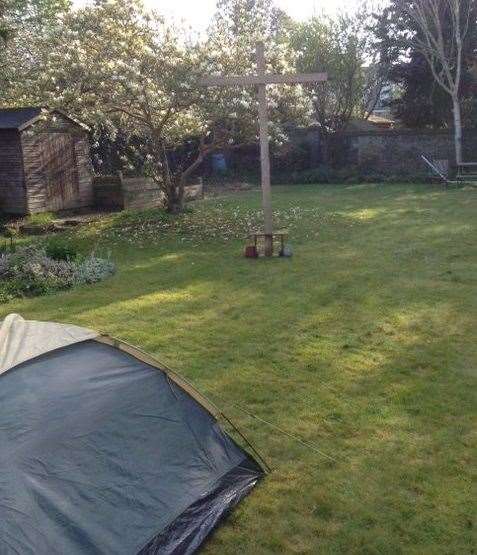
[{"x": 207, "y": 222}]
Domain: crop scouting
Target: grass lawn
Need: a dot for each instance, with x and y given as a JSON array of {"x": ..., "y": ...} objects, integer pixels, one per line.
[{"x": 364, "y": 344}]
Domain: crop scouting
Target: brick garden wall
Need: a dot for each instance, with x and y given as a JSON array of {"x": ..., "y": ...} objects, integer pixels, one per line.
[
  {"x": 392, "y": 153},
  {"x": 396, "y": 151}
]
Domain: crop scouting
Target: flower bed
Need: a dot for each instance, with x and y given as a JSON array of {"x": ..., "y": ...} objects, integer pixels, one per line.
[{"x": 38, "y": 270}]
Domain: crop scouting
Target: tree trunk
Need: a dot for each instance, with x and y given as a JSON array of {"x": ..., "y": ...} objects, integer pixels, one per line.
[
  {"x": 175, "y": 196},
  {"x": 325, "y": 149},
  {"x": 170, "y": 183},
  {"x": 457, "y": 129}
]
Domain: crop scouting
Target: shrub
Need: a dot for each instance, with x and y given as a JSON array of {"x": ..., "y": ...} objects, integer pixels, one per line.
[
  {"x": 59, "y": 248},
  {"x": 306, "y": 177},
  {"x": 4, "y": 263},
  {"x": 30, "y": 272},
  {"x": 348, "y": 175},
  {"x": 92, "y": 269},
  {"x": 318, "y": 175},
  {"x": 8, "y": 292}
]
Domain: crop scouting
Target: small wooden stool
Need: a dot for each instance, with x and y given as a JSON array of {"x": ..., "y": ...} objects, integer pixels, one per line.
[{"x": 257, "y": 247}]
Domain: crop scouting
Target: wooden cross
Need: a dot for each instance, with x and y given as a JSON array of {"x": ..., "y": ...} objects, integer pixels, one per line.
[{"x": 262, "y": 79}]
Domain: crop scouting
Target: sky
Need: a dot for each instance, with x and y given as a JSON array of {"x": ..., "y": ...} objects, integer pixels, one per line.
[{"x": 197, "y": 13}]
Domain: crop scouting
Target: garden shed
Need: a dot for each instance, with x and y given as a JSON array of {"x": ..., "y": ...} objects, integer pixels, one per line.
[{"x": 44, "y": 161}]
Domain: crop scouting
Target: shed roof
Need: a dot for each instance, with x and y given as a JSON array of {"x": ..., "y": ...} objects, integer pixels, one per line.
[
  {"x": 17, "y": 118},
  {"x": 20, "y": 118}
]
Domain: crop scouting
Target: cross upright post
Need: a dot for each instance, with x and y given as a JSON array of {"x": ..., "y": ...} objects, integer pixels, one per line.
[
  {"x": 265, "y": 151},
  {"x": 261, "y": 79}
]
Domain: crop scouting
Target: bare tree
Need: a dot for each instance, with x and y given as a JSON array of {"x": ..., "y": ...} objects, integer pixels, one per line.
[{"x": 442, "y": 27}]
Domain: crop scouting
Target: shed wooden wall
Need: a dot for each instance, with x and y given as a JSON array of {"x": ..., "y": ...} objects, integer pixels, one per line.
[
  {"x": 37, "y": 198},
  {"x": 22, "y": 173},
  {"x": 85, "y": 171},
  {"x": 34, "y": 181},
  {"x": 12, "y": 183}
]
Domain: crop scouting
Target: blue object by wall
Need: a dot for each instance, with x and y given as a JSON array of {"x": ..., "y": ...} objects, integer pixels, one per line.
[{"x": 219, "y": 163}]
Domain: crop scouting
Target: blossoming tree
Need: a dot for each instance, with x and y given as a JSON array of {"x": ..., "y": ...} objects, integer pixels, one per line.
[{"x": 119, "y": 66}]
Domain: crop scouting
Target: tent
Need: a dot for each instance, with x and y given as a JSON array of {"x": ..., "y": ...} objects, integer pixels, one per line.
[{"x": 103, "y": 451}]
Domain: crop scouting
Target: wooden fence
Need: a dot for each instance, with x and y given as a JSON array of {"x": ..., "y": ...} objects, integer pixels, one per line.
[{"x": 115, "y": 192}]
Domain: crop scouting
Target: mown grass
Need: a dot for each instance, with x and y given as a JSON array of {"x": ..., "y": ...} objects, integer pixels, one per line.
[{"x": 364, "y": 344}]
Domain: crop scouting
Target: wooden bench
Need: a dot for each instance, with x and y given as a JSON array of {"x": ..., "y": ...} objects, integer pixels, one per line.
[{"x": 256, "y": 248}]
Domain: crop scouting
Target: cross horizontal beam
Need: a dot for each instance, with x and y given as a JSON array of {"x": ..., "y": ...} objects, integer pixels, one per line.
[{"x": 267, "y": 79}]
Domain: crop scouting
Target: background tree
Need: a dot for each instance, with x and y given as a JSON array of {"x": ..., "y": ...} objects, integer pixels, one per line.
[
  {"x": 339, "y": 47},
  {"x": 25, "y": 27},
  {"x": 252, "y": 19},
  {"x": 425, "y": 45},
  {"x": 119, "y": 67},
  {"x": 4, "y": 28},
  {"x": 237, "y": 27}
]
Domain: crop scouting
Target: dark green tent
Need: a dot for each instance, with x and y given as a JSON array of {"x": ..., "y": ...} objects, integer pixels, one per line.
[{"x": 102, "y": 451}]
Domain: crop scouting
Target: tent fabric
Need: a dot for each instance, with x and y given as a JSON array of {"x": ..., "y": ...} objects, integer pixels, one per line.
[
  {"x": 102, "y": 453},
  {"x": 22, "y": 340}
]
